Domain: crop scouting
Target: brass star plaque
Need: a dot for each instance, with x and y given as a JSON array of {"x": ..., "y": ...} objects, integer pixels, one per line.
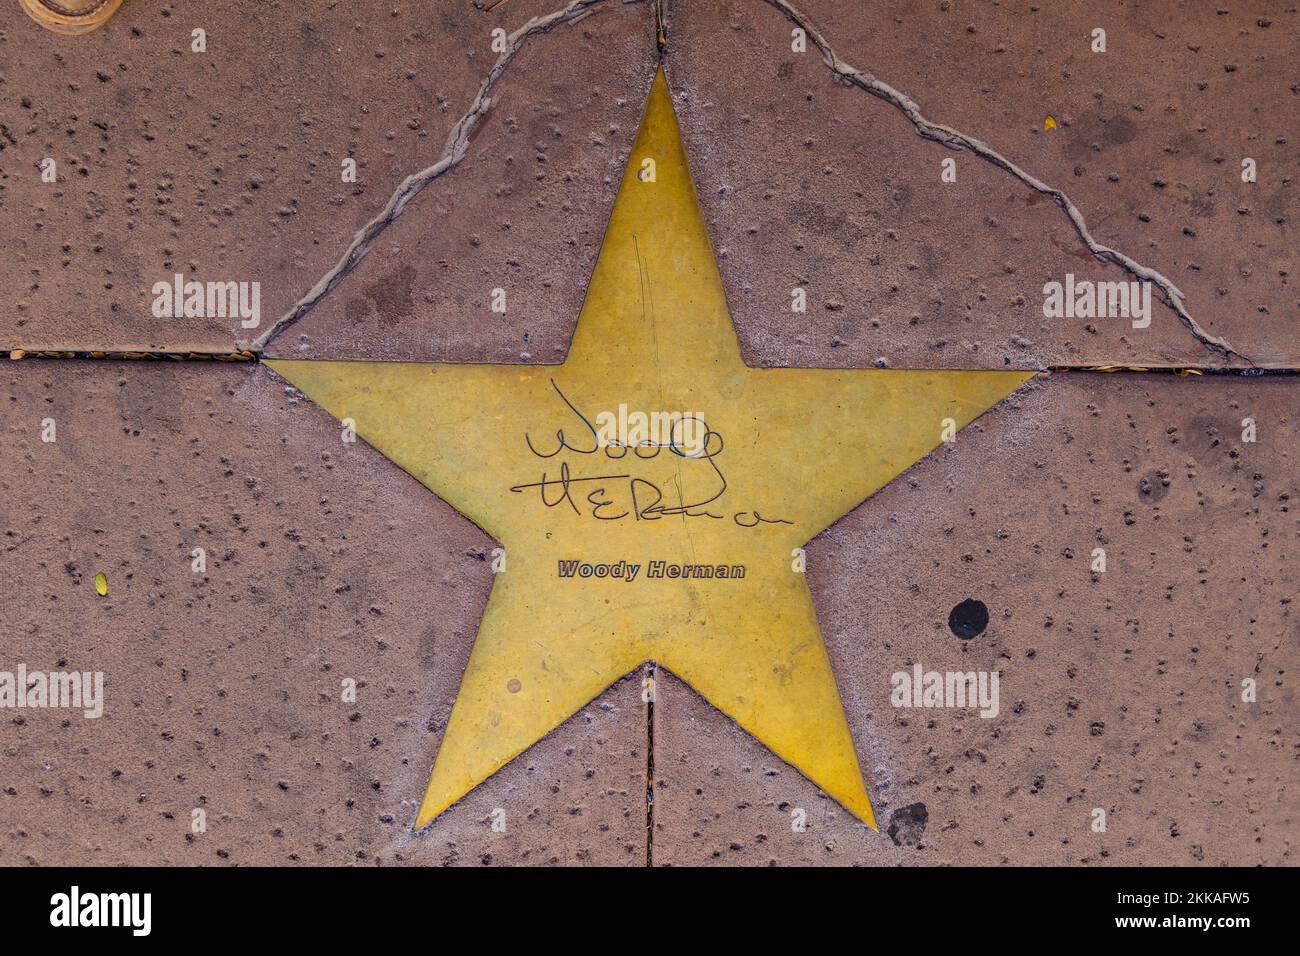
[{"x": 652, "y": 493}]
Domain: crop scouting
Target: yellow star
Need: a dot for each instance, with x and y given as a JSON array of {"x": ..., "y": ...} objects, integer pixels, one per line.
[{"x": 700, "y": 522}]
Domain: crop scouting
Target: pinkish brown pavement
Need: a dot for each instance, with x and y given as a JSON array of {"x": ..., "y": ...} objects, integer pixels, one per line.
[
  {"x": 810, "y": 183},
  {"x": 224, "y": 689},
  {"x": 1120, "y": 690},
  {"x": 227, "y": 165}
]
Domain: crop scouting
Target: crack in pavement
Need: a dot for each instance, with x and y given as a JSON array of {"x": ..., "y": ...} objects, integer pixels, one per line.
[
  {"x": 954, "y": 139},
  {"x": 452, "y": 153},
  {"x": 458, "y": 145}
]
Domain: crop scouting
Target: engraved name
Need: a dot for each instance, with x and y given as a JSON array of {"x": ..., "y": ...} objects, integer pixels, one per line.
[{"x": 627, "y": 571}]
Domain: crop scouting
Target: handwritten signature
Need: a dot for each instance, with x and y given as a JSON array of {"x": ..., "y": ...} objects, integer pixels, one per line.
[{"x": 644, "y": 500}]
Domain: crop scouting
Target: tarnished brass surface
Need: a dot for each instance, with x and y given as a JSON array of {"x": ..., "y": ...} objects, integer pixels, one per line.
[{"x": 517, "y": 450}]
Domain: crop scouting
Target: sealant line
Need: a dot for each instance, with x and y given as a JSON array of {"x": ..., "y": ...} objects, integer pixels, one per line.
[
  {"x": 127, "y": 355},
  {"x": 651, "y": 674},
  {"x": 953, "y": 139},
  {"x": 452, "y": 153},
  {"x": 1253, "y": 371},
  {"x": 253, "y": 358}
]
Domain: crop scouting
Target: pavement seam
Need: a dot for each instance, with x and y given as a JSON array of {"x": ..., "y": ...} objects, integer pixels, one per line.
[
  {"x": 452, "y": 154},
  {"x": 651, "y": 674},
  {"x": 254, "y": 358},
  {"x": 129, "y": 355},
  {"x": 954, "y": 139}
]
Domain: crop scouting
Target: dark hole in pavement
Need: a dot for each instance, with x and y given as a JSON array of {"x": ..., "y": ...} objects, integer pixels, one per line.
[
  {"x": 968, "y": 619},
  {"x": 907, "y": 824}
]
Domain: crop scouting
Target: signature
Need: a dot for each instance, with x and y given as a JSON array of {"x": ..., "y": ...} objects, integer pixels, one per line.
[{"x": 618, "y": 495}]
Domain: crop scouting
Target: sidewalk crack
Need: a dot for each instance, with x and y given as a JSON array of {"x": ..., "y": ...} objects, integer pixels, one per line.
[
  {"x": 954, "y": 139},
  {"x": 452, "y": 154}
]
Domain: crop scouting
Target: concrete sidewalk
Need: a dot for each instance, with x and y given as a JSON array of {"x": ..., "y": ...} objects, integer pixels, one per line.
[{"x": 286, "y": 617}]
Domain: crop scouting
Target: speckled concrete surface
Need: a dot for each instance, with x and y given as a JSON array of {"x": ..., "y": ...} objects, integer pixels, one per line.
[
  {"x": 808, "y": 183},
  {"x": 223, "y": 690},
  {"x": 524, "y": 214},
  {"x": 224, "y": 165},
  {"x": 1119, "y": 690}
]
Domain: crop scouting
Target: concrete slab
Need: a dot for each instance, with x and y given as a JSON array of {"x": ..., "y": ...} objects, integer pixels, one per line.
[
  {"x": 223, "y": 689},
  {"x": 524, "y": 214},
  {"x": 225, "y": 165},
  {"x": 1120, "y": 691},
  {"x": 809, "y": 183},
  {"x": 1145, "y": 711}
]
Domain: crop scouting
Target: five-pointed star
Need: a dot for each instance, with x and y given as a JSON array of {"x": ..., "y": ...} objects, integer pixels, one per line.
[{"x": 791, "y": 450}]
